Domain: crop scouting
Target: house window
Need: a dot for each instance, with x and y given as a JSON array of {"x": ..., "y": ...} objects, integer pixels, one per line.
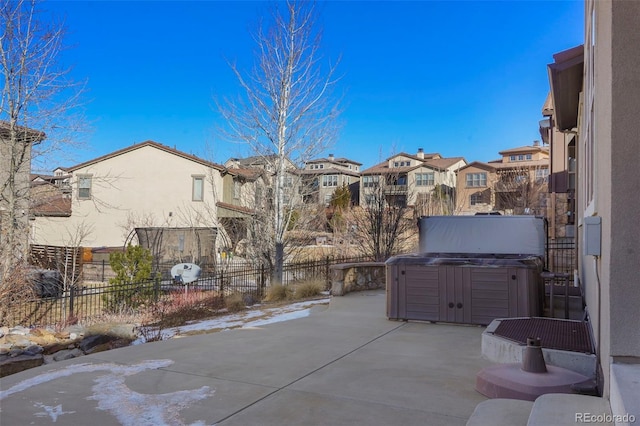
[
  {"x": 476, "y": 179},
  {"x": 542, "y": 174},
  {"x": 425, "y": 179},
  {"x": 322, "y": 166},
  {"x": 370, "y": 181},
  {"x": 288, "y": 182},
  {"x": 84, "y": 187},
  {"x": 529, "y": 157},
  {"x": 197, "y": 188},
  {"x": 330, "y": 180},
  {"x": 520, "y": 157},
  {"x": 476, "y": 199},
  {"x": 237, "y": 189},
  {"x": 512, "y": 158},
  {"x": 396, "y": 164}
]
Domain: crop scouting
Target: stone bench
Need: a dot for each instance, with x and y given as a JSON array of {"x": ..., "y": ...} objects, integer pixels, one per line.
[{"x": 348, "y": 277}]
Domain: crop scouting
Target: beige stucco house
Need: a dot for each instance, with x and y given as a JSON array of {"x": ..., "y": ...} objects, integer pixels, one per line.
[
  {"x": 475, "y": 188},
  {"x": 411, "y": 180},
  {"x": 514, "y": 184},
  {"x": 144, "y": 185},
  {"x": 322, "y": 176}
]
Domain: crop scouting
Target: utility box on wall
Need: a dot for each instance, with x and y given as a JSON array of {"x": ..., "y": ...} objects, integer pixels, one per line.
[{"x": 592, "y": 235}]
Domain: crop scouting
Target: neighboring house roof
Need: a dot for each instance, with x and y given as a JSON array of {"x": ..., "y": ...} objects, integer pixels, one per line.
[
  {"x": 524, "y": 149},
  {"x": 383, "y": 168},
  {"x": 339, "y": 160},
  {"x": 248, "y": 174},
  {"x": 51, "y": 206},
  {"x": 444, "y": 163},
  {"x": 479, "y": 165},
  {"x": 142, "y": 145},
  {"x": 235, "y": 208},
  {"x": 29, "y": 135},
  {"x": 329, "y": 171},
  {"x": 427, "y": 156}
]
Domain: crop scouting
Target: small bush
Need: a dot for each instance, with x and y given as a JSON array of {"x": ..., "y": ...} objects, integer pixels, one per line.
[
  {"x": 308, "y": 289},
  {"x": 132, "y": 285},
  {"x": 234, "y": 302},
  {"x": 278, "y": 293}
]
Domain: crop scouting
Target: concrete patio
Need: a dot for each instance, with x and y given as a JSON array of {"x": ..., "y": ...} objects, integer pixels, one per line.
[{"x": 343, "y": 365}]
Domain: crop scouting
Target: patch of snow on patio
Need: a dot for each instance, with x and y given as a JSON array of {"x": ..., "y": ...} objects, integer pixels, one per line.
[{"x": 255, "y": 317}]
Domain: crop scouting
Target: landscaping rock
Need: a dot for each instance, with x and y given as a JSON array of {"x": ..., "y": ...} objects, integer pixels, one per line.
[
  {"x": 125, "y": 331},
  {"x": 67, "y": 354},
  {"x": 88, "y": 344},
  {"x": 19, "y": 363}
]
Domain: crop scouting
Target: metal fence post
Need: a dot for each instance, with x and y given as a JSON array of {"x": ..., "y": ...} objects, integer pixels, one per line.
[
  {"x": 327, "y": 283},
  {"x": 72, "y": 296},
  {"x": 156, "y": 288},
  {"x": 102, "y": 279}
]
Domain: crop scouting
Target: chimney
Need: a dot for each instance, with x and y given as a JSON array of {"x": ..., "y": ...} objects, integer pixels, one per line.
[
  {"x": 331, "y": 157},
  {"x": 536, "y": 143},
  {"x": 421, "y": 153}
]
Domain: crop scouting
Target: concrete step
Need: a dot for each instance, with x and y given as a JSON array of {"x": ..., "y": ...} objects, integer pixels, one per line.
[
  {"x": 501, "y": 412},
  {"x": 556, "y": 409},
  {"x": 569, "y": 409}
]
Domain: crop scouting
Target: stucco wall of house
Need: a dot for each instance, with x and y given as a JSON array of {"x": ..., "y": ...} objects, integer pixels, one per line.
[
  {"x": 152, "y": 186},
  {"x": 624, "y": 181},
  {"x": 463, "y": 193},
  {"x": 611, "y": 280}
]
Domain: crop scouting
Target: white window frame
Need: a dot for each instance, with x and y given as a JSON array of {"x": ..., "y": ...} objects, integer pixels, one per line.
[
  {"x": 425, "y": 179},
  {"x": 197, "y": 192},
  {"x": 476, "y": 180},
  {"x": 329, "y": 181},
  {"x": 82, "y": 178}
]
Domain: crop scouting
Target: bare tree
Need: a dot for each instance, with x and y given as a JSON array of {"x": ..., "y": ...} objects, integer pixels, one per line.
[
  {"x": 384, "y": 225},
  {"x": 285, "y": 113},
  {"x": 522, "y": 190},
  {"x": 37, "y": 94}
]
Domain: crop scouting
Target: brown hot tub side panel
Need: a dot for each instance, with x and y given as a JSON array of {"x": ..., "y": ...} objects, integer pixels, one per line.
[{"x": 460, "y": 293}]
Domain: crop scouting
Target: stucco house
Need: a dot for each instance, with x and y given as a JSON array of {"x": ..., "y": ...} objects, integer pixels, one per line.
[
  {"x": 514, "y": 184},
  {"x": 411, "y": 180},
  {"x": 321, "y": 177},
  {"x": 144, "y": 185}
]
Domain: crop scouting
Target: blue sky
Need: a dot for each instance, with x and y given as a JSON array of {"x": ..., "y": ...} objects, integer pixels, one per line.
[{"x": 456, "y": 77}]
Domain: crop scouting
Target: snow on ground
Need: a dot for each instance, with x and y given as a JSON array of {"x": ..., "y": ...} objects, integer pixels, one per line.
[{"x": 254, "y": 317}]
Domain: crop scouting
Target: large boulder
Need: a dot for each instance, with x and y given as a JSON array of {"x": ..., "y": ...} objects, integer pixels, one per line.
[{"x": 12, "y": 365}]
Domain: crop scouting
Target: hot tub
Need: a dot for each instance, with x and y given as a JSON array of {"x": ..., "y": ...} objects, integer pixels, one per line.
[{"x": 490, "y": 268}]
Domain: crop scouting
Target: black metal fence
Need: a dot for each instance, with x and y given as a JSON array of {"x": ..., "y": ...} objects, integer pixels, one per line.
[
  {"x": 561, "y": 256},
  {"x": 94, "y": 298}
]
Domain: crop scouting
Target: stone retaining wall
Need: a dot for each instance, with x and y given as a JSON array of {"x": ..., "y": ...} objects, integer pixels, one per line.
[{"x": 348, "y": 277}]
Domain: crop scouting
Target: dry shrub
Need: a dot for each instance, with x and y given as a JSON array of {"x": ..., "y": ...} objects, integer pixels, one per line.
[
  {"x": 14, "y": 289},
  {"x": 278, "y": 293},
  {"x": 179, "y": 308},
  {"x": 234, "y": 302},
  {"x": 309, "y": 289}
]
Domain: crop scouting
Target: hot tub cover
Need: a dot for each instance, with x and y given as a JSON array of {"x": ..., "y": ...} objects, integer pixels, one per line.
[
  {"x": 492, "y": 235},
  {"x": 467, "y": 260}
]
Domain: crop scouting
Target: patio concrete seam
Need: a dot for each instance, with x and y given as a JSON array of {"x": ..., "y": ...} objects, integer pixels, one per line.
[{"x": 310, "y": 373}]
